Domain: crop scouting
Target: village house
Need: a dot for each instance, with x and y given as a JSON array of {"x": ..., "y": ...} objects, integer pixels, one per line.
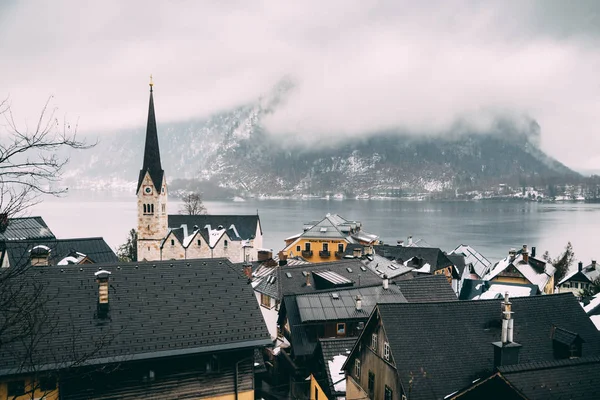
[
  {"x": 432, "y": 350},
  {"x": 477, "y": 289},
  {"x": 328, "y": 380},
  {"x": 24, "y": 228},
  {"x": 163, "y": 329},
  {"x": 326, "y": 240},
  {"x": 174, "y": 237},
  {"x": 581, "y": 279},
  {"x": 521, "y": 267},
  {"x": 477, "y": 265}
]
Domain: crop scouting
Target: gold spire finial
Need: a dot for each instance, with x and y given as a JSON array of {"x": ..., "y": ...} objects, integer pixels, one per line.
[{"x": 151, "y": 83}]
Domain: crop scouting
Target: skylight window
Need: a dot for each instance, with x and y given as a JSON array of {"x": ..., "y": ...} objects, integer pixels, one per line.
[
  {"x": 349, "y": 269},
  {"x": 288, "y": 274},
  {"x": 363, "y": 268},
  {"x": 335, "y": 296},
  {"x": 323, "y": 229}
]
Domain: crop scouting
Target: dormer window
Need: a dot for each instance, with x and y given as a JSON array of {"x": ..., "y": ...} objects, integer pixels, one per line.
[{"x": 566, "y": 344}]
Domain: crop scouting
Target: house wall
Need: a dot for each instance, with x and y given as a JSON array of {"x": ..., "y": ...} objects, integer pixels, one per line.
[
  {"x": 173, "y": 251},
  {"x": 372, "y": 360},
  {"x": 353, "y": 390},
  {"x": 316, "y": 245},
  {"x": 316, "y": 393},
  {"x": 195, "y": 250},
  {"x": 269, "y": 314},
  {"x": 569, "y": 287},
  {"x": 549, "y": 288},
  {"x": 30, "y": 383}
]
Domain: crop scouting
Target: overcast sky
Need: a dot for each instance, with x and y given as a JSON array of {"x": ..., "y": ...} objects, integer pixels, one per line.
[{"x": 357, "y": 65}]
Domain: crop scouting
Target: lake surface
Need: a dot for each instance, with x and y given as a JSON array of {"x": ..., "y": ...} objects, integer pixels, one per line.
[{"x": 489, "y": 226}]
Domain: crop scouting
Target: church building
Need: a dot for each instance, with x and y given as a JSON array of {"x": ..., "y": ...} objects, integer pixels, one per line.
[{"x": 172, "y": 237}]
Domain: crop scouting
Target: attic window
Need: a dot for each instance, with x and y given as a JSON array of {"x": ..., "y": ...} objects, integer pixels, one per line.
[
  {"x": 288, "y": 274},
  {"x": 225, "y": 243},
  {"x": 172, "y": 242},
  {"x": 199, "y": 242}
]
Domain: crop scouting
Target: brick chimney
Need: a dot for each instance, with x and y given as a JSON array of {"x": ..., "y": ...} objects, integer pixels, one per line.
[
  {"x": 525, "y": 254},
  {"x": 248, "y": 271},
  {"x": 506, "y": 352},
  {"x": 264, "y": 255},
  {"x": 102, "y": 280},
  {"x": 282, "y": 258}
]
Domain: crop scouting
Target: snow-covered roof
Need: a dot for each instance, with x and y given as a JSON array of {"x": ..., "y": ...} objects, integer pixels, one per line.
[
  {"x": 481, "y": 265},
  {"x": 338, "y": 376},
  {"x": 365, "y": 236},
  {"x": 596, "y": 320},
  {"x": 497, "y": 291},
  {"x": 591, "y": 272},
  {"x": 383, "y": 266},
  {"x": 525, "y": 268},
  {"x": 592, "y": 304}
]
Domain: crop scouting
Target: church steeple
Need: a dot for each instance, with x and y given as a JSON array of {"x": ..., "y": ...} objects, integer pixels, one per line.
[{"x": 151, "y": 151}]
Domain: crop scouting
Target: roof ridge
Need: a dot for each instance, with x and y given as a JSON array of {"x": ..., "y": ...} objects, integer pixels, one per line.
[
  {"x": 542, "y": 365},
  {"x": 518, "y": 299}
]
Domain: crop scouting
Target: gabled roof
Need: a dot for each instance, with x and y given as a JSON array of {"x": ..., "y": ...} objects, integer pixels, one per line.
[
  {"x": 588, "y": 273},
  {"x": 383, "y": 266},
  {"x": 151, "y": 163},
  {"x": 536, "y": 271},
  {"x": 26, "y": 228},
  {"x": 469, "y": 328},
  {"x": 477, "y": 289},
  {"x": 426, "y": 289},
  {"x": 157, "y": 309},
  {"x": 293, "y": 278},
  {"x": 245, "y": 225},
  {"x": 331, "y": 352},
  {"x": 430, "y": 255},
  {"x": 480, "y": 264},
  {"x": 95, "y": 249},
  {"x": 563, "y": 379}
]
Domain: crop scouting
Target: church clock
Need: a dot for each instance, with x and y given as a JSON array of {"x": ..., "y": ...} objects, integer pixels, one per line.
[{"x": 148, "y": 190}]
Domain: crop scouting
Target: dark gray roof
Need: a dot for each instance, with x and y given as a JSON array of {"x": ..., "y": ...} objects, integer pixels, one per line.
[
  {"x": 157, "y": 309},
  {"x": 330, "y": 348},
  {"x": 468, "y": 328},
  {"x": 293, "y": 281},
  {"x": 426, "y": 289},
  {"x": 431, "y": 255},
  {"x": 26, "y": 228},
  {"x": 458, "y": 260},
  {"x": 95, "y": 248},
  {"x": 301, "y": 344},
  {"x": 151, "y": 151},
  {"x": 244, "y": 224},
  {"x": 340, "y": 305},
  {"x": 564, "y": 379}
]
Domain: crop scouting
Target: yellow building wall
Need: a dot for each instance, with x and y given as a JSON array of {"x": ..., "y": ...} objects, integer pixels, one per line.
[
  {"x": 50, "y": 395},
  {"x": 249, "y": 395},
  {"x": 353, "y": 390},
  {"x": 511, "y": 279},
  {"x": 316, "y": 245},
  {"x": 316, "y": 393}
]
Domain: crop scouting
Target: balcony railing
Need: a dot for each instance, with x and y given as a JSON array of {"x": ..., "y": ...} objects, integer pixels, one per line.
[
  {"x": 307, "y": 253},
  {"x": 325, "y": 253},
  {"x": 339, "y": 254}
]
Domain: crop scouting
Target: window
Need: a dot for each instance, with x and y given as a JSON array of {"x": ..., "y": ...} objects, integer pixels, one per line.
[
  {"x": 307, "y": 246},
  {"x": 316, "y": 393},
  {"x": 172, "y": 242},
  {"x": 374, "y": 341},
  {"x": 386, "y": 351},
  {"x": 152, "y": 208},
  {"x": 265, "y": 300},
  {"x": 16, "y": 388},
  {"x": 298, "y": 248},
  {"x": 164, "y": 208},
  {"x": 325, "y": 246},
  {"x": 340, "y": 248},
  {"x": 225, "y": 243},
  {"x": 371, "y": 384},
  {"x": 199, "y": 242},
  {"x": 341, "y": 328},
  {"x": 47, "y": 384},
  {"x": 144, "y": 209},
  {"x": 357, "y": 368},
  {"x": 387, "y": 393}
]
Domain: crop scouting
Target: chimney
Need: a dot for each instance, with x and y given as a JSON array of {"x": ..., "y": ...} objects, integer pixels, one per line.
[
  {"x": 525, "y": 254},
  {"x": 357, "y": 252},
  {"x": 264, "y": 255},
  {"x": 580, "y": 266},
  {"x": 386, "y": 282},
  {"x": 533, "y": 251},
  {"x": 3, "y": 222},
  {"x": 400, "y": 243},
  {"x": 410, "y": 242},
  {"x": 248, "y": 271},
  {"x": 39, "y": 255},
  {"x": 102, "y": 280},
  {"x": 593, "y": 264},
  {"x": 358, "y": 303},
  {"x": 512, "y": 253},
  {"x": 308, "y": 279},
  {"x": 282, "y": 258},
  {"x": 506, "y": 352}
]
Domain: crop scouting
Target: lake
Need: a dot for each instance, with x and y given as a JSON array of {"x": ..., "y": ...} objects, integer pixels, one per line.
[{"x": 492, "y": 227}]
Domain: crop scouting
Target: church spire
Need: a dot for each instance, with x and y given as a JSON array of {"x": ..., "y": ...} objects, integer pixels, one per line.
[{"x": 151, "y": 151}]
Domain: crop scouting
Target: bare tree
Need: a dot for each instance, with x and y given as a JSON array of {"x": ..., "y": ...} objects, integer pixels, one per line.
[
  {"x": 192, "y": 204},
  {"x": 29, "y": 161}
]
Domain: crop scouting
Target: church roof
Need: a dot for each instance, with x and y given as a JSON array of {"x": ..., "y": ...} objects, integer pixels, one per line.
[{"x": 151, "y": 151}]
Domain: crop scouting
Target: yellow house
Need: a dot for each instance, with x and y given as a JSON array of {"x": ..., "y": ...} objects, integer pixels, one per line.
[
  {"x": 326, "y": 240},
  {"x": 521, "y": 267},
  {"x": 26, "y": 387},
  {"x": 316, "y": 393}
]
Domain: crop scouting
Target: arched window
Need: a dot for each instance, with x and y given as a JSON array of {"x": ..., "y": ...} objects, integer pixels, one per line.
[
  {"x": 151, "y": 208},
  {"x": 145, "y": 209}
]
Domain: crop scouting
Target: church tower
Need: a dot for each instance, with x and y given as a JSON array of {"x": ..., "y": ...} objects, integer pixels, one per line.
[{"x": 151, "y": 194}]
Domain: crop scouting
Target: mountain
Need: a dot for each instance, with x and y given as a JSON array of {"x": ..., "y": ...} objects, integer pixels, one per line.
[{"x": 231, "y": 150}]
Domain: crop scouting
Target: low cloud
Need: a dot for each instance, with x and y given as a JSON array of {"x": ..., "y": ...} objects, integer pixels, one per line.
[{"x": 357, "y": 66}]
